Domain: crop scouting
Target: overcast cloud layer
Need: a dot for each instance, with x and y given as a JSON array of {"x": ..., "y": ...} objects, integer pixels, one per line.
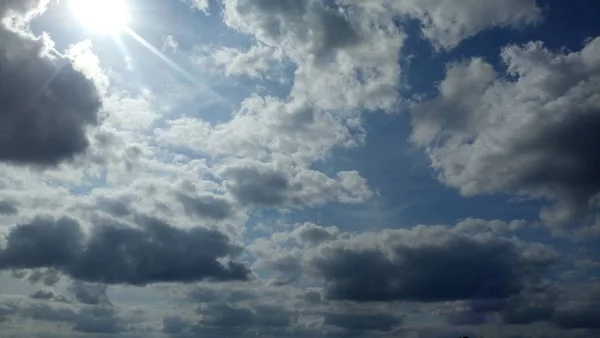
[{"x": 300, "y": 168}]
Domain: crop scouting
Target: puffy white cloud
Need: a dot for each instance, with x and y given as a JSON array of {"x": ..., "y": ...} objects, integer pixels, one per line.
[
  {"x": 530, "y": 132},
  {"x": 264, "y": 126},
  {"x": 346, "y": 60},
  {"x": 447, "y": 22}
]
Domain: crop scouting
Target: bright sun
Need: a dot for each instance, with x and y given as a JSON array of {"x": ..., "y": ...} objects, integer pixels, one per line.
[{"x": 101, "y": 16}]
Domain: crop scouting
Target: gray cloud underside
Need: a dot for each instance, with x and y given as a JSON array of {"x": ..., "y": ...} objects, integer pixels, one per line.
[
  {"x": 153, "y": 252},
  {"x": 46, "y": 105}
]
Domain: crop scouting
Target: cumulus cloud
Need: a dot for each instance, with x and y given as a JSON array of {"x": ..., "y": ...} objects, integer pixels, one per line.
[
  {"x": 46, "y": 105},
  {"x": 266, "y": 127},
  {"x": 447, "y": 22},
  {"x": 209, "y": 206},
  {"x": 422, "y": 264},
  {"x": 345, "y": 60},
  {"x": 90, "y": 294},
  {"x": 152, "y": 252},
  {"x": 427, "y": 264},
  {"x": 530, "y": 132},
  {"x": 255, "y": 183}
]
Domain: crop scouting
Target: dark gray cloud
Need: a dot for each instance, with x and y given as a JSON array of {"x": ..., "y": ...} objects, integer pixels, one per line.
[
  {"x": 98, "y": 320},
  {"x": 427, "y": 264},
  {"x": 45, "y": 104},
  {"x": 312, "y": 234},
  {"x": 259, "y": 183},
  {"x": 253, "y": 185},
  {"x": 224, "y": 315},
  {"x": 578, "y": 317},
  {"x": 323, "y": 30},
  {"x": 48, "y": 277},
  {"x": 209, "y": 295},
  {"x": 489, "y": 133},
  {"x": 174, "y": 325},
  {"x": 209, "y": 206},
  {"x": 8, "y": 208},
  {"x": 313, "y": 297},
  {"x": 363, "y": 322},
  {"x": 42, "y": 294},
  {"x": 528, "y": 309},
  {"x": 95, "y": 319},
  {"x": 466, "y": 318},
  {"x": 90, "y": 294},
  {"x": 46, "y": 312},
  {"x": 118, "y": 207},
  {"x": 153, "y": 252}
]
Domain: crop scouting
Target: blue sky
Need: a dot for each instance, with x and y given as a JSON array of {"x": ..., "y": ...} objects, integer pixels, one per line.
[{"x": 299, "y": 168}]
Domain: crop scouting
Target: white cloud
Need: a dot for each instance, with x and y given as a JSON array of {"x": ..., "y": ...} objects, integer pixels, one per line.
[
  {"x": 530, "y": 132},
  {"x": 170, "y": 45},
  {"x": 346, "y": 60},
  {"x": 265, "y": 127},
  {"x": 447, "y": 22},
  {"x": 254, "y": 62}
]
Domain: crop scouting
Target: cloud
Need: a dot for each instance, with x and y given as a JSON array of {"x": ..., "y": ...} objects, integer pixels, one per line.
[
  {"x": 525, "y": 310},
  {"x": 46, "y": 105},
  {"x": 206, "y": 206},
  {"x": 311, "y": 234},
  {"x": 492, "y": 133},
  {"x": 447, "y": 22},
  {"x": 254, "y": 62},
  {"x": 202, "y": 5},
  {"x": 90, "y": 294},
  {"x": 227, "y": 316},
  {"x": 42, "y": 294},
  {"x": 98, "y": 320},
  {"x": 154, "y": 252},
  {"x": 466, "y": 318},
  {"x": 427, "y": 264},
  {"x": 266, "y": 127},
  {"x": 23, "y": 8},
  {"x": 8, "y": 208},
  {"x": 174, "y": 325},
  {"x": 255, "y": 183},
  {"x": 46, "y": 312},
  {"x": 170, "y": 45},
  {"x": 363, "y": 322},
  {"x": 346, "y": 60},
  {"x": 578, "y": 317},
  {"x": 48, "y": 277}
]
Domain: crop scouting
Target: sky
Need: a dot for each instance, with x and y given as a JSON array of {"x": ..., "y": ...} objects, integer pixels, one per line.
[{"x": 299, "y": 168}]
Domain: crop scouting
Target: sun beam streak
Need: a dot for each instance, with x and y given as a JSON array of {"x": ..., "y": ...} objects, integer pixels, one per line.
[{"x": 174, "y": 66}]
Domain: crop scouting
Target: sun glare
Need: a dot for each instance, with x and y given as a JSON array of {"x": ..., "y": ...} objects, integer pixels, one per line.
[{"x": 101, "y": 16}]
